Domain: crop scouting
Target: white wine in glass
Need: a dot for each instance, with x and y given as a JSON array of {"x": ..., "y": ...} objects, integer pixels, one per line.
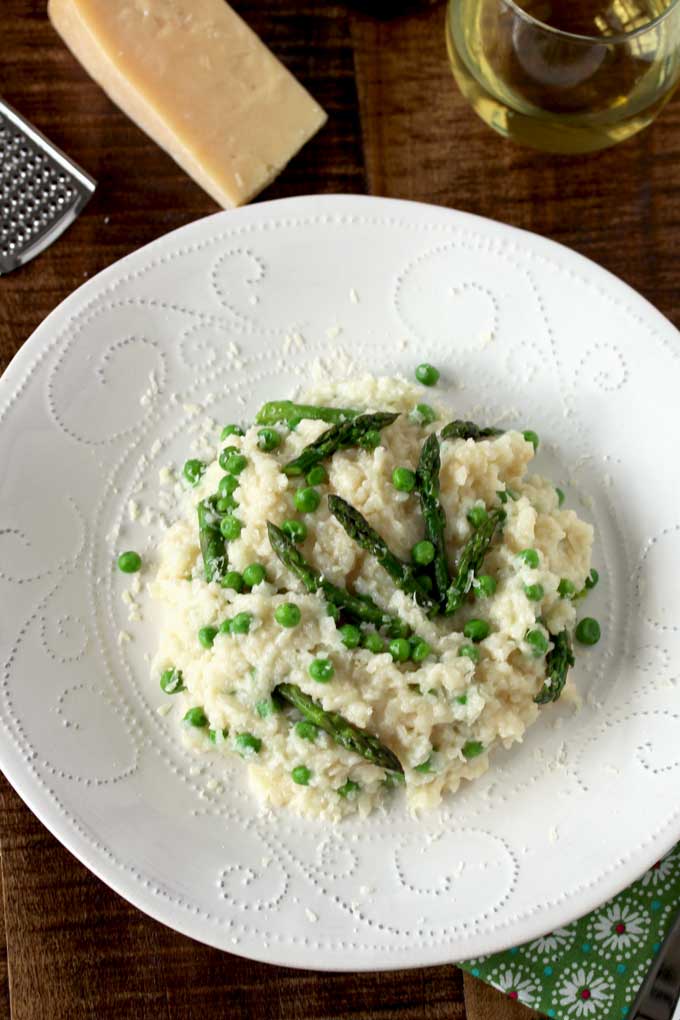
[{"x": 565, "y": 75}]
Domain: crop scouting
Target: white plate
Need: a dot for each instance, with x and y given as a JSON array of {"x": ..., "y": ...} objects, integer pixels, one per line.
[{"x": 520, "y": 327}]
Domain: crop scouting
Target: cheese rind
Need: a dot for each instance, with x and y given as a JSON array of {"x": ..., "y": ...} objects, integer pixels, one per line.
[{"x": 198, "y": 80}]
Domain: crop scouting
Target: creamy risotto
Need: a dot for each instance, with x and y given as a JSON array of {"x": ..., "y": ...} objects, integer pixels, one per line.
[{"x": 363, "y": 593}]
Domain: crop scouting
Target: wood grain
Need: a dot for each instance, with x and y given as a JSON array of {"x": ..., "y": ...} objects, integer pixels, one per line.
[
  {"x": 5, "y": 1011},
  {"x": 69, "y": 947}
]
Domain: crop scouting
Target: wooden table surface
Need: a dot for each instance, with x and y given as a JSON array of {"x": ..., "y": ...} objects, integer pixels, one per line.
[{"x": 69, "y": 947}]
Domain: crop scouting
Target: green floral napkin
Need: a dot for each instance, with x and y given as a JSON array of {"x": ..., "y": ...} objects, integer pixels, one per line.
[{"x": 592, "y": 969}]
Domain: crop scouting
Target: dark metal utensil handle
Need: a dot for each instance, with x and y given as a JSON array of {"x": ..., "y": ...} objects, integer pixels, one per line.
[{"x": 660, "y": 990}]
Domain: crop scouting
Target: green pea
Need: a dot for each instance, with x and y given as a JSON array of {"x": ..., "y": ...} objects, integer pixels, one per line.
[
  {"x": 469, "y": 652},
  {"x": 172, "y": 681},
  {"x": 531, "y": 437},
  {"x": 254, "y": 574},
  {"x": 371, "y": 440},
  {"x": 232, "y": 579},
  {"x": 477, "y": 515},
  {"x": 534, "y": 592},
  {"x": 241, "y": 623},
  {"x": 423, "y": 553},
  {"x": 224, "y": 456},
  {"x": 195, "y": 717},
  {"x": 307, "y": 500},
  {"x": 332, "y": 611},
  {"x": 226, "y": 505},
  {"x": 566, "y": 589},
  {"x": 234, "y": 463},
  {"x": 218, "y": 736},
  {"x": 301, "y": 775},
  {"x": 246, "y": 742},
  {"x": 231, "y": 526},
  {"x": 397, "y": 628},
  {"x": 462, "y": 699},
  {"x": 476, "y": 630},
  {"x": 530, "y": 557},
  {"x": 350, "y": 635},
  {"x": 193, "y": 470},
  {"x": 296, "y": 530},
  {"x": 394, "y": 779},
  {"x": 207, "y": 635},
  {"x": 287, "y": 614},
  {"x": 473, "y": 748},
  {"x": 413, "y": 639},
  {"x": 227, "y": 485},
  {"x": 268, "y": 439},
  {"x": 537, "y": 641},
  {"x": 317, "y": 475},
  {"x": 307, "y": 730},
  {"x": 592, "y": 580},
  {"x": 230, "y": 430},
  {"x": 427, "y": 375},
  {"x": 348, "y": 789},
  {"x": 400, "y": 649},
  {"x": 423, "y": 414},
  {"x": 420, "y": 651},
  {"x": 425, "y": 766},
  {"x": 225, "y": 627},
  {"x": 129, "y": 562},
  {"x": 560, "y": 496},
  {"x": 373, "y": 642},
  {"x": 265, "y": 708},
  {"x": 485, "y": 586},
  {"x": 322, "y": 670},
  {"x": 588, "y": 631},
  {"x": 403, "y": 479},
  {"x": 425, "y": 582}
]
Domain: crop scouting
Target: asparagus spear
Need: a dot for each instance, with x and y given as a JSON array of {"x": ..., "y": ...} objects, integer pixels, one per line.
[
  {"x": 338, "y": 437},
  {"x": 343, "y": 732},
  {"x": 427, "y": 483},
  {"x": 360, "y": 607},
  {"x": 468, "y": 430},
  {"x": 358, "y": 528},
  {"x": 212, "y": 543},
  {"x": 291, "y": 413},
  {"x": 557, "y": 661},
  {"x": 471, "y": 560}
]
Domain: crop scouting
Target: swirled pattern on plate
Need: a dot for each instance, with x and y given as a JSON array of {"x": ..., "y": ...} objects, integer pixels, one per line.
[{"x": 208, "y": 323}]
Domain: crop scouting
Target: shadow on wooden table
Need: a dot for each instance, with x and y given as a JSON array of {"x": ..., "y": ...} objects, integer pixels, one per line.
[{"x": 485, "y": 1003}]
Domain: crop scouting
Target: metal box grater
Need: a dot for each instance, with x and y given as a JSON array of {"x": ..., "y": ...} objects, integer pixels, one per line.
[{"x": 41, "y": 190}]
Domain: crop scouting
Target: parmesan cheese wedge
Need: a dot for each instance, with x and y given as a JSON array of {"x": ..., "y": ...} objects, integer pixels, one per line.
[{"x": 199, "y": 82}]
